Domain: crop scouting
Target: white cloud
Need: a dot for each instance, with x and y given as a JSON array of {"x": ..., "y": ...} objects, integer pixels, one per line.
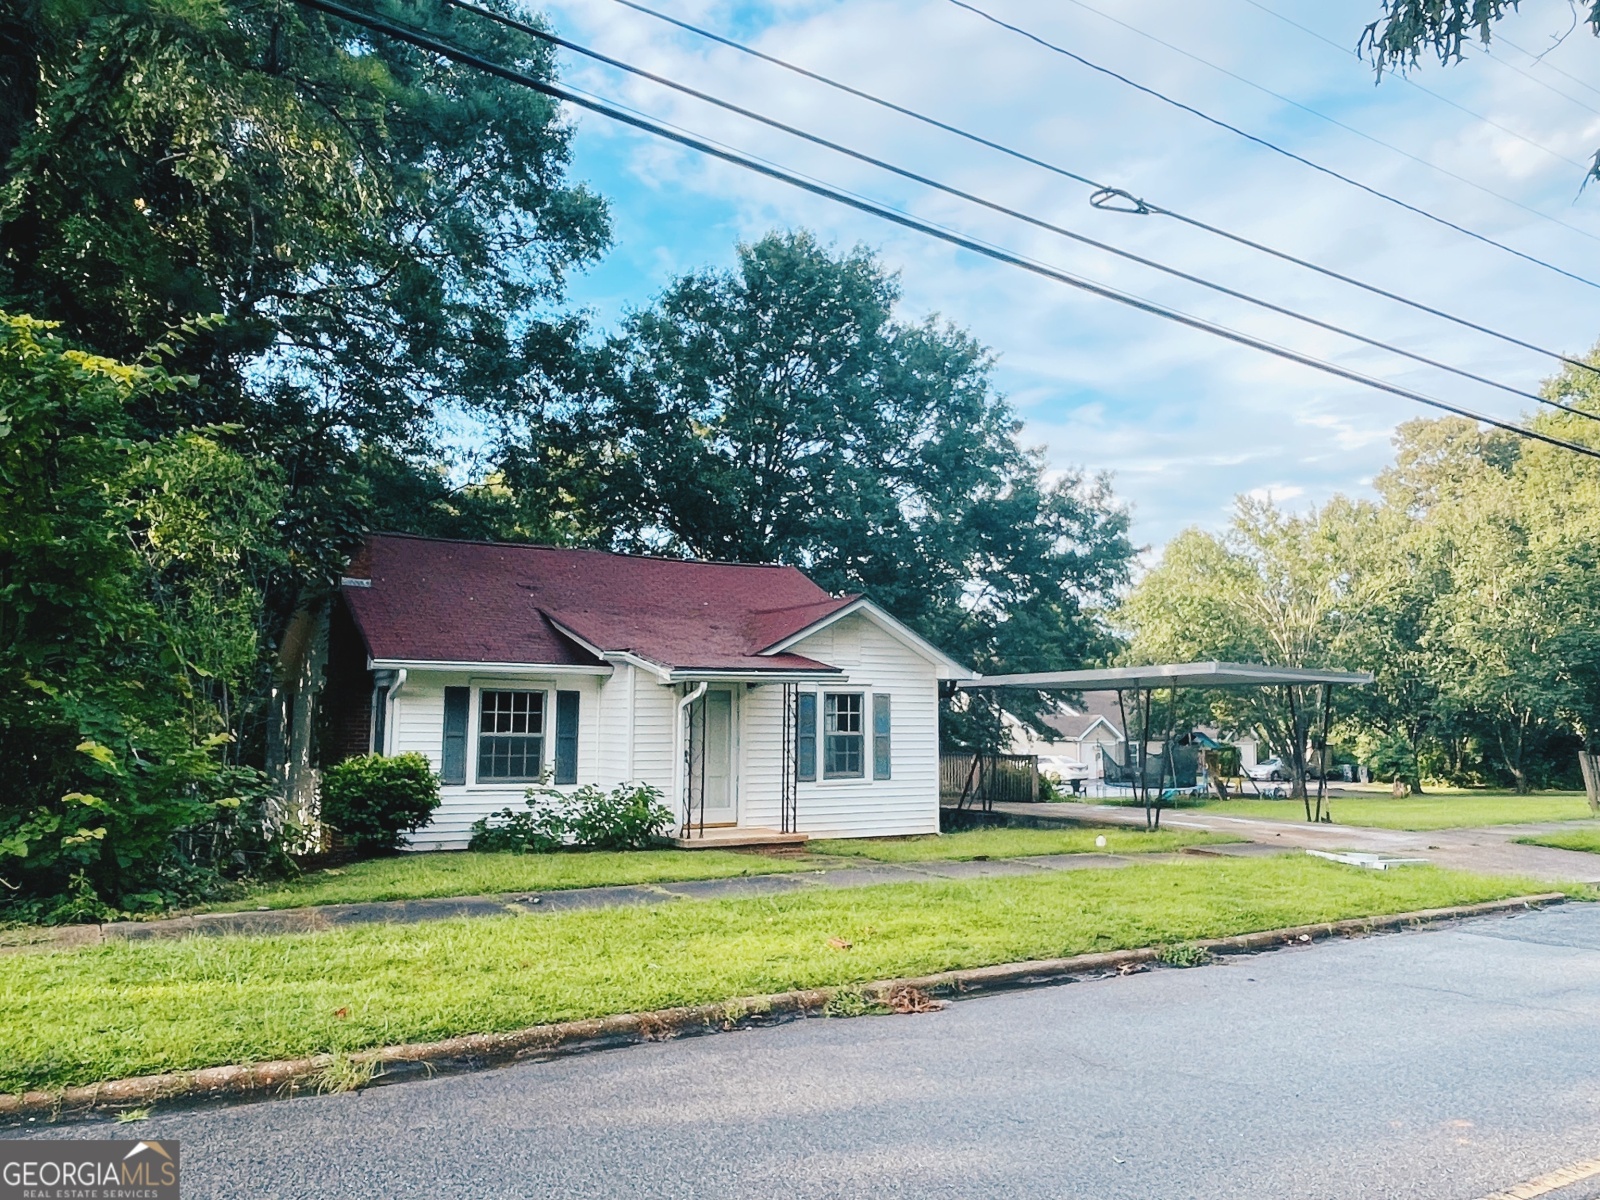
[{"x": 1184, "y": 420}]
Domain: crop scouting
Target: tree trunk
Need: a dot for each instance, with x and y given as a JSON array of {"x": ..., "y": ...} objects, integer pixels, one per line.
[{"x": 1590, "y": 767}]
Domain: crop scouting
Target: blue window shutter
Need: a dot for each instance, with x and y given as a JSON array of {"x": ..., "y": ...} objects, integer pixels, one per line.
[
  {"x": 880, "y": 736},
  {"x": 453, "y": 760},
  {"x": 566, "y": 737},
  {"x": 805, "y": 736}
]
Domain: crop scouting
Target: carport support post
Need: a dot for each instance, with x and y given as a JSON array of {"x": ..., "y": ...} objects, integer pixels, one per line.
[
  {"x": 1152, "y": 816},
  {"x": 1322, "y": 748}
]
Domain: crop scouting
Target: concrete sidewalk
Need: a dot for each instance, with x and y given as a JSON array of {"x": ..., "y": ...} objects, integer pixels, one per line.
[
  {"x": 858, "y": 873},
  {"x": 1490, "y": 850}
]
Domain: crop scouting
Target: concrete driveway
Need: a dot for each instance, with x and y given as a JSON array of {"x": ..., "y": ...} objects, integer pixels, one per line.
[{"x": 1447, "y": 1063}]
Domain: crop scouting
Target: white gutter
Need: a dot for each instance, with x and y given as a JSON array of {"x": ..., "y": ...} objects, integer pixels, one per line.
[
  {"x": 486, "y": 668},
  {"x": 680, "y": 777}
]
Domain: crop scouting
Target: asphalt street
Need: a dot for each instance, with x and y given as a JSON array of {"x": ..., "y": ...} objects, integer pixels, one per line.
[{"x": 1444, "y": 1063}]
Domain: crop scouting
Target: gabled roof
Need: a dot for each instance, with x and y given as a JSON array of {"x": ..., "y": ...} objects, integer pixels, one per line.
[
  {"x": 420, "y": 600},
  {"x": 1078, "y": 719},
  {"x": 948, "y": 668}
]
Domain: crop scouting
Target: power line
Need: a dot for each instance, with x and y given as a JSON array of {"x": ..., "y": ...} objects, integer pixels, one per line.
[
  {"x": 1544, "y": 62},
  {"x": 1273, "y": 146},
  {"x": 1356, "y": 54},
  {"x": 432, "y": 44},
  {"x": 1106, "y": 191},
  {"x": 971, "y": 198},
  {"x": 1376, "y": 141}
]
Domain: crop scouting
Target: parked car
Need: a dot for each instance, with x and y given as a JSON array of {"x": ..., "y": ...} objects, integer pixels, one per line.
[{"x": 1269, "y": 770}]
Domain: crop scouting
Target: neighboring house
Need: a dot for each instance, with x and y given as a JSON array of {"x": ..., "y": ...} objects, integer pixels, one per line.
[
  {"x": 1077, "y": 732},
  {"x": 752, "y": 698},
  {"x": 1080, "y": 729}
]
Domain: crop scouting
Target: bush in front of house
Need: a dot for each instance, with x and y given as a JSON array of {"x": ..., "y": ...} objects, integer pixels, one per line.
[
  {"x": 629, "y": 817},
  {"x": 373, "y": 801}
]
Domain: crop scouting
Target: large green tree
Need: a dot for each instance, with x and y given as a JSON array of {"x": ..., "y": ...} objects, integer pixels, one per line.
[
  {"x": 128, "y": 620},
  {"x": 380, "y": 233},
  {"x": 780, "y": 411}
]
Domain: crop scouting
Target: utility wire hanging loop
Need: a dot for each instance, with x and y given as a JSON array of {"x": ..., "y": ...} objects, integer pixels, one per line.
[{"x": 1110, "y": 199}]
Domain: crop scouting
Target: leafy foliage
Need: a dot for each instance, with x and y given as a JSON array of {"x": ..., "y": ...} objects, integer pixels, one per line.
[
  {"x": 106, "y": 746},
  {"x": 1408, "y": 28},
  {"x": 1469, "y": 590},
  {"x": 373, "y": 801},
  {"x": 629, "y": 817}
]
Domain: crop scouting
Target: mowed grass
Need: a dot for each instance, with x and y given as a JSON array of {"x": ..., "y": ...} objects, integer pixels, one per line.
[
  {"x": 468, "y": 873},
  {"x": 120, "y": 1009},
  {"x": 1420, "y": 812},
  {"x": 1014, "y": 843},
  {"x": 1578, "y": 839}
]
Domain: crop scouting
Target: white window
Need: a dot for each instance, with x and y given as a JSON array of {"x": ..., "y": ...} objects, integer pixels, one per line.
[
  {"x": 842, "y": 736},
  {"x": 510, "y": 736}
]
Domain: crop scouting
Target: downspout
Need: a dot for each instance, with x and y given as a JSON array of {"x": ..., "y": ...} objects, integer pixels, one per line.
[
  {"x": 680, "y": 778},
  {"x": 388, "y": 708}
]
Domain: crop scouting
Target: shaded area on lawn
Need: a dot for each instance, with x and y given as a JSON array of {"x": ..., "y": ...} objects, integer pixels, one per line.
[
  {"x": 123, "y": 1009},
  {"x": 1003, "y": 842},
  {"x": 1417, "y": 812}
]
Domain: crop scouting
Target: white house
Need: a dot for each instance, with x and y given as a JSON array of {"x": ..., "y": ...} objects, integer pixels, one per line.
[
  {"x": 754, "y": 700},
  {"x": 1077, "y": 731},
  {"x": 1082, "y": 729}
]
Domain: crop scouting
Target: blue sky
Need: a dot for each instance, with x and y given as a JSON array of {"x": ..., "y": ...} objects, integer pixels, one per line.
[{"x": 1181, "y": 420}]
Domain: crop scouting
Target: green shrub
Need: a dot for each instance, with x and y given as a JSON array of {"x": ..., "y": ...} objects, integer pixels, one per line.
[
  {"x": 373, "y": 801},
  {"x": 629, "y": 817}
]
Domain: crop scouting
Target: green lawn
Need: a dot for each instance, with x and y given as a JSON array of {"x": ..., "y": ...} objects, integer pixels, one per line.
[
  {"x": 1420, "y": 812},
  {"x": 1014, "y": 843},
  {"x": 1578, "y": 839},
  {"x": 133, "y": 1008},
  {"x": 467, "y": 873}
]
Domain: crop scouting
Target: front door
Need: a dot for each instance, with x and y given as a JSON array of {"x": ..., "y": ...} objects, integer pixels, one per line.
[{"x": 711, "y": 784}]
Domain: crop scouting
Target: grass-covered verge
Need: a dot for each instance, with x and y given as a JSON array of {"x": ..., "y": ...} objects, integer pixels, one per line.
[
  {"x": 467, "y": 873},
  {"x": 1578, "y": 839},
  {"x": 119, "y": 1009},
  {"x": 1014, "y": 843},
  {"x": 1417, "y": 812}
]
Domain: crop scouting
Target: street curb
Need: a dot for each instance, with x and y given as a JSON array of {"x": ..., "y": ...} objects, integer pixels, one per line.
[{"x": 394, "y": 1064}]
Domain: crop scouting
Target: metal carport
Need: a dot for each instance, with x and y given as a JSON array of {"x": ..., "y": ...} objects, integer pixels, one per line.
[{"x": 1141, "y": 682}]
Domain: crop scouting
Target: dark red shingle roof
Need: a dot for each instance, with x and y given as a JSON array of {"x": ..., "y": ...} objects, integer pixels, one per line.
[{"x": 432, "y": 600}]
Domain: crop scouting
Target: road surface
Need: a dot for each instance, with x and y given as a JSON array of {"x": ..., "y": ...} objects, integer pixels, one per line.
[{"x": 1443, "y": 1063}]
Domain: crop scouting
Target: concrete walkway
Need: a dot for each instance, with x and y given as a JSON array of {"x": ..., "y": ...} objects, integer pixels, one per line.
[
  {"x": 839, "y": 873},
  {"x": 1490, "y": 850}
]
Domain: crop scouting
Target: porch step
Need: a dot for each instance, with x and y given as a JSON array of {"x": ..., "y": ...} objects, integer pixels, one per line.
[{"x": 739, "y": 838}]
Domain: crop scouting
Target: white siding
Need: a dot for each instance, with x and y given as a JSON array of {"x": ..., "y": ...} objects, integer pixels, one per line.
[
  {"x": 418, "y": 721},
  {"x": 906, "y": 803},
  {"x": 626, "y": 732}
]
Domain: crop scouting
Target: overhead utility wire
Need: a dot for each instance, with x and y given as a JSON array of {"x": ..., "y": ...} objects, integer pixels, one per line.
[
  {"x": 1105, "y": 194},
  {"x": 971, "y": 198},
  {"x": 1376, "y": 141},
  {"x": 1274, "y": 147},
  {"x": 432, "y": 44},
  {"x": 1443, "y": 99},
  {"x": 1542, "y": 61}
]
